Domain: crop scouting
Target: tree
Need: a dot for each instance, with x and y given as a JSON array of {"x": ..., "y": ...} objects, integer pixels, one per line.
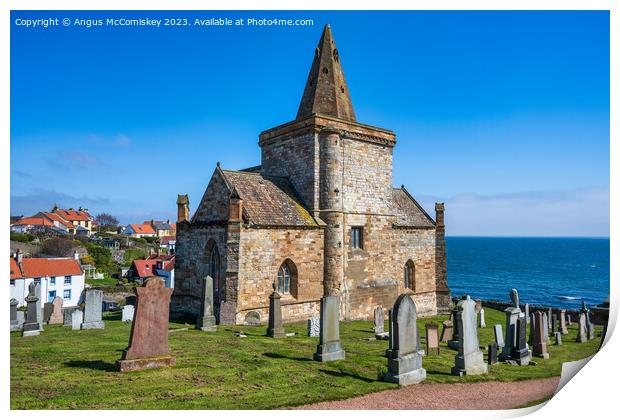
[
  {"x": 58, "y": 247},
  {"x": 107, "y": 220}
]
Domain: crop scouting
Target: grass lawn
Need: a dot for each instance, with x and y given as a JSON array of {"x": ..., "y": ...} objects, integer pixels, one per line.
[
  {"x": 64, "y": 369},
  {"x": 105, "y": 281}
]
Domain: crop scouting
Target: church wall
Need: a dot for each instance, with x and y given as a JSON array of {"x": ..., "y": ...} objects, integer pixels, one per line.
[
  {"x": 261, "y": 253},
  {"x": 214, "y": 204}
]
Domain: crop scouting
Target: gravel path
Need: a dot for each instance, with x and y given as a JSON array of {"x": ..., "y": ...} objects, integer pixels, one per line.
[{"x": 461, "y": 396}]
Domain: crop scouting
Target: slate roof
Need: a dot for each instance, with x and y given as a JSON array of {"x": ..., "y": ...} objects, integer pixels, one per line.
[
  {"x": 268, "y": 201},
  {"x": 409, "y": 212}
]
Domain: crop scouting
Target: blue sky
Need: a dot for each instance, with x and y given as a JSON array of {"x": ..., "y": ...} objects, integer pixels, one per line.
[{"x": 502, "y": 115}]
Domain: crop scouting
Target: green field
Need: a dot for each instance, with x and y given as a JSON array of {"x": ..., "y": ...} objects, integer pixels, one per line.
[{"x": 65, "y": 369}]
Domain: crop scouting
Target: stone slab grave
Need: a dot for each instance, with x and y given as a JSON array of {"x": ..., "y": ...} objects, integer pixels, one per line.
[
  {"x": 558, "y": 338},
  {"x": 469, "y": 359},
  {"x": 128, "y": 313},
  {"x": 520, "y": 353},
  {"x": 563, "y": 327},
  {"x": 492, "y": 354},
  {"x": 275, "y": 326},
  {"x": 549, "y": 318},
  {"x": 206, "y": 320},
  {"x": 14, "y": 322},
  {"x": 31, "y": 324},
  {"x": 546, "y": 328},
  {"x": 454, "y": 342},
  {"x": 21, "y": 318},
  {"x": 379, "y": 320},
  {"x": 527, "y": 313},
  {"x": 148, "y": 341},
  {"x": 66, "y": 315},
  {"x": 92, "y": 309},
  {"x": 329, "y": 347},
  {"x": 531, "y": 339},
  {"x": 252, "y": 318},
  {"x": 513, "y": 313},
  {"x": 582, "y": 333},
  {"x": 539, "y": 343},
  {"x": 499, "y": 336},
  {"x": 48, "y": 307},
  {"x": 39, "y": 309},
  {"x": 432, "y": 338},
  {"x": 446, "y": 331},
  {"x": 77, "y": 318},
  {"x": 554, "y": 324},
  {"x": 405, "y": 361},
  {"x": 314, "y": 326},
  {"x": 56, "y": 317},
  {"x": 569, "y": 319},
  {"x": 482, "y": 323}
]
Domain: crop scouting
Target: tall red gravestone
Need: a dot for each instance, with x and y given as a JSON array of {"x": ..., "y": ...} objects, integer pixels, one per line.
[{"x": 148, "y": 343}]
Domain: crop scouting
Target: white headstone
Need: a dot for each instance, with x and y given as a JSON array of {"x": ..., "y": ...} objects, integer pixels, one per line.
[
  {"x": 469, "y": 359},
  {"x": 314, "y": 326},
  {"x": 77, "y": 317},
  {"x": 481, "y": 319},
  {"x": 128, "y": 311}
]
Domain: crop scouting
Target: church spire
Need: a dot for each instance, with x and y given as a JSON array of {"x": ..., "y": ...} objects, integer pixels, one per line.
[{"x": 326, "y": 91}]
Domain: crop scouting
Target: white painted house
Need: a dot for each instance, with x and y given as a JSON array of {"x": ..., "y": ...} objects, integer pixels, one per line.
[{"x": 58, "y": 277}]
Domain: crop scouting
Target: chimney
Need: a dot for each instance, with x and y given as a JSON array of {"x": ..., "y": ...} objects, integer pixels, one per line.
[
  {"x": 76, "y": 256},
  {"x": 19, "y": 256},
  {"x": 182, "y": 208},
  {"x": 235, "y": 207},
  {"x": 439, "y": 212}
]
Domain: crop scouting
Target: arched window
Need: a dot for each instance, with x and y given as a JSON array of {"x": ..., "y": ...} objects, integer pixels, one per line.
[
  {"x": 214, "y": 267},
  {"x": 287, "y": 278},
  {"x": 409, "y": 278}
]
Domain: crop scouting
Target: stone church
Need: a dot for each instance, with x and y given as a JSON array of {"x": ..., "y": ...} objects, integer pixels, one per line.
[{"x": 318, "y": 217}]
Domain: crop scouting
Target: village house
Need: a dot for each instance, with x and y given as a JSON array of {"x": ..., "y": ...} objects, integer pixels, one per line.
[
  {"x": 162, "y": 228},
  {"x": 155, "y": 265},
  {"x": 318, "y": 217},
  {"x": 168, "y": 244},
  {"x": 137, "y": 230},
  {"x": 57, "y": 276},
  {"x": 83, "y": 222}
]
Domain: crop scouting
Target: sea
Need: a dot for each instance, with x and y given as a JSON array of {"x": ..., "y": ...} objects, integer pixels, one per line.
[{"x": 555, "y": 272}]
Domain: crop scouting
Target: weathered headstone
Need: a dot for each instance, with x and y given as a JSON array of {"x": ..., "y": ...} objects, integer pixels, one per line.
[
  {"x": 329, "y": 347},
  {"x": 520, "y": 353},
  {"x": 456, "y": 336},
  {"x": 314, "y": 326},
  {"x": 275, "y": 327},
  {"x": 569, "y": 320},
  {"x": 128, "y": 312},
  {"x": 589, "y": 328},
  {"x": 469, "y": 359},
  {"x": 546, "y": 328},
  {"x": 206, "y": 321},
  {"x": 66, "y": 316},
  {"x": 499, "y": 336},
  {"x": 148, "y": 342},
  {"x": 563, "y": 328},
  {"x": 478, "y": 305},
  {"x": 554, "y": 324},
  {"x": 558, "y": 338},
  {"x": 446, "y": 331},
  {"x": 492, "y": 354},
  {"x": 379, "y": 321},
  {"x": 252, "y": 318},
  {"x": 21, "y": 318},
  {"x": 481, "y": 319},
  {"x": 539, "y": 342},
  {"x": 531, "y": 337},
  {"x": 47, "y": 312},
  {"x": 549, "y": 318},
  {"x": 388, "y": 352},
  {"x": 513, "y": 313},
  {"x": 37, "y": 293},
  {"x": 56, "y": 315},
  {"x": 432, "y": 338},
  {"x": 31, "y": 325},
  {"x": 92, "y": 309},
  {"x": 582, "y": 336},
  {"x": 514, "y": 297},
  {"x": 77, "y": 317},
  {"x": 405, "y": 363},
  {"x": 14, "y": 322},
  {"x": 527, "y": 313}
]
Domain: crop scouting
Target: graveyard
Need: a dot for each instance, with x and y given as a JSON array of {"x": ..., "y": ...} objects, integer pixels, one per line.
[{"x": 75, "y": 369}]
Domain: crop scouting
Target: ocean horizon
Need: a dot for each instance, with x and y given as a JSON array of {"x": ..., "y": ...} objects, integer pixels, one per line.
[{"x": 558, "y": 272}]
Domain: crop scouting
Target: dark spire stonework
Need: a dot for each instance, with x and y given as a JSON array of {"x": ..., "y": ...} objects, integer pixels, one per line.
[{"x": 326, "y": 91}]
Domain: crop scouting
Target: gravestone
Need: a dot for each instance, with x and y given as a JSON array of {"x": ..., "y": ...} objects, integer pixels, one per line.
[
  {"x": 546, "y": 328},
  {"x": 275, "y": 327},
  {"x": 469, "y": 359},
  {"x": 539, "y": 342},
  {"x": 21, "y": 318},
  {"x": 513, "y": 313},
  {"x": 77, "y": 317},
  {"x": 531, "y": 338},
  {"x": 432, "y": 338},
  {"x": 483, "y": 323},
  {"x": 492, "y": 354},
  {"x": 56, "y": 316},
  {"x": 252, "y": 318},
  {"x": 37, "y": 293},
  {"x": 329, "y": 347},
  {"x": 128, "y": 312},
  {"x": 582, "y": 336},
  {"x": 206, "y": 322},
  {"x": 48, "y": 307},
  {"x": 527, "y": 313},
  {"x": 148, "y": 342},
  {"x": 14, "y": 322},
  {"x": 520, "y": 353},
  {"x": 563, "y": 328},
  {"x": 569, "y": 320},
  {"x": 379, "y": 321},
  {"x": 589, "y": 327},
  {"x": 499, "y": 336},
  {"x": 554, "y": 324},
  {"x": 558, "y": 338},
  {"x": 454, "y": 342},
  {"x": 446, "y": 331},
  {"x": 388, "y": 352},
  {"x": 66, "y": 316},
  {"x": 31, "y": 325},
  {"x": 549, "y": 318},
  {"x": 478, "y": 305},
  {"x": 314, "y": 327},
  {"x": 405, "y": 363},
  {"x": 92, "y": 309}
]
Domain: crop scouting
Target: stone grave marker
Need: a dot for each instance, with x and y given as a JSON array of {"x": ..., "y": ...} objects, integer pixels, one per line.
[
  {"x": 589, "y": 328},
  {"x": 492, "y": 354},
  {"x": 128, "y": 312},
  {"x": 546, "y": 328},
  {"x": 31, "y": 325},
  {"x": 527, "y": 313},
  {"x": 66, "y": 316},
  {"x": 77, "y": 318},
  {"x": 37, "y": 293},
  {"x": 499, "y": 336},
  {"x": 456, "y": 336},
  {"x": 469, "y": 359},
  {"x": 563, "y": 327},
  {"x": 446, "y": 331},
  {"x": 405, "y": 363},
  {"x": 388, "y": 352},
  {"x": 329, "y": 347},
  {"x": 549, "y": 318},
  {"x": 478, "y": 305},
  {"x": 314, "y": 326},
  {"x": 379, "y": 321},
  {"x": 207, "y": 321},
  {"x": 432, "y": 338},
  {"x": 539, "y": 343},
  {"x": 582, "y": 336},
  {"x": 21, "y": 318},
  {"x": 483, "y": 323},
  {"x": 554, "y": 324},
  {"x": 47, "y": 311},
  {"x": 275, "y": 328},
  {"x": 569, "y": 320},
  {"x": 531, "y": 338},
  {"x": 14, "y": 322},
  {"x": 252, "y": 318},
  {"x": 558, "y": 338},
  {"x": 520, "y": 353},
  {"x": 56, "y": 315},
  {"x": 148, "y": 342},
  {"x": 92, "y": 309},
  {"x": 513, "y": 313}
]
